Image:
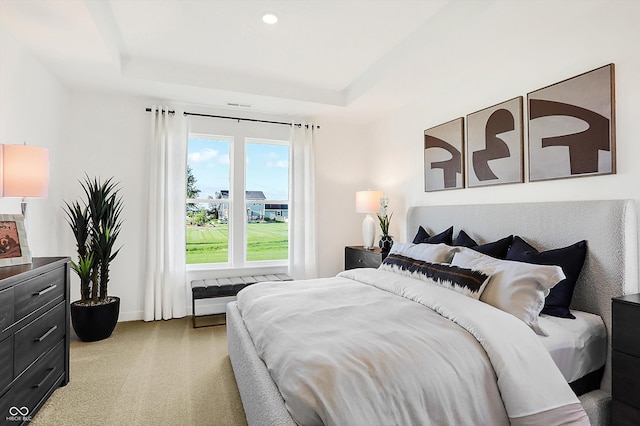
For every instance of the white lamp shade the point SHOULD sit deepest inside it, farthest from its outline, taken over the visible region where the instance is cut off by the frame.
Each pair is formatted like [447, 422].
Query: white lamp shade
[368, 201]
[25, 171]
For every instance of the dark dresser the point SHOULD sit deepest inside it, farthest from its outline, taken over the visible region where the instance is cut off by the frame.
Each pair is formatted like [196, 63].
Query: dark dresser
[34, 335]
[359, 257]
[625, 362]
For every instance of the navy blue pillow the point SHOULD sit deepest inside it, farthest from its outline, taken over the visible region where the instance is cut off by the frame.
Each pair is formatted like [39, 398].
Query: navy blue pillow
[422, 236]
[570, 259]
[497, 249]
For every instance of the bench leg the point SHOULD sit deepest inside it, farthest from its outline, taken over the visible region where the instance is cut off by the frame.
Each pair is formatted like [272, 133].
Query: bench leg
[193, 310]
[193, 316]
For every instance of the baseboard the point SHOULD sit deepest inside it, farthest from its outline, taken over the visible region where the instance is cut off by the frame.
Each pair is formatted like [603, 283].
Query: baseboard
[203, 307]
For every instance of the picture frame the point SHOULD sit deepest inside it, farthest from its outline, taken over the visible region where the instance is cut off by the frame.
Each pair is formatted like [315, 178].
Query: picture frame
[571, 126]
[14, 247]
[444, 156]
[495, 145]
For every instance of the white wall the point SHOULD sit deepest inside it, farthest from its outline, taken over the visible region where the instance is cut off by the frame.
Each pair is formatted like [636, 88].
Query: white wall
[497, 55]
[32, 109]
[107, 135]
[342, 162]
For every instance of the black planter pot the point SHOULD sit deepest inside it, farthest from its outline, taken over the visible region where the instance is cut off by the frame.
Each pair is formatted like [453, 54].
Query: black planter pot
[95, 322]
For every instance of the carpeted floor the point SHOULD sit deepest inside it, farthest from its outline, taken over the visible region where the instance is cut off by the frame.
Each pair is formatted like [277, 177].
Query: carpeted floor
[149, 373]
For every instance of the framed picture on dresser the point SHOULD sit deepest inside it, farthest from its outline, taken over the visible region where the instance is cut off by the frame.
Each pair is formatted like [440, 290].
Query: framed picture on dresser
[14, 248]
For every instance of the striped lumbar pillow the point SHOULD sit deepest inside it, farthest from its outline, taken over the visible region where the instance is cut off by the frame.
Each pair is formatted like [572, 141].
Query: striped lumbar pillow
[466, 281]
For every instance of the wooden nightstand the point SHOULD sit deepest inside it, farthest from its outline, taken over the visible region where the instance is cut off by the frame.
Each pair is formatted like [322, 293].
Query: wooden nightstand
[625, 363]
[359, 257]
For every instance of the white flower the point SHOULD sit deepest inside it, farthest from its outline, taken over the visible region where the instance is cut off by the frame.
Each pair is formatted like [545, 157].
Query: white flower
[384, 205]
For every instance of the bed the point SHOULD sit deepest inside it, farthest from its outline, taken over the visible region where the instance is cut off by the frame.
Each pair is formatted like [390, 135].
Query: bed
[610, 269]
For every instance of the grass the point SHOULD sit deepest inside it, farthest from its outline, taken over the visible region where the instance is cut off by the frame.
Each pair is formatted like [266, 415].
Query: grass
[265, 241]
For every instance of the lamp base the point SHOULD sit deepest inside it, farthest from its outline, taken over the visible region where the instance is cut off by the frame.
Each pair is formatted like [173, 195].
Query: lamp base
[368, 232]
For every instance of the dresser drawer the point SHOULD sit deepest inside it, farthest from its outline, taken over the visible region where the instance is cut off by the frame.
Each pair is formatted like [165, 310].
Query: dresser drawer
[39, 336]
[38, 291]
[623, 414]
[6, 363]
[6, 310]
[29, 390]
[355, 258]
[625, 386]
[5, 403]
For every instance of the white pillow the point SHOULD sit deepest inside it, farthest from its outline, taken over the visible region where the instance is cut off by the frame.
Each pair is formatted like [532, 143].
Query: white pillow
[432, 253]
[515, 287]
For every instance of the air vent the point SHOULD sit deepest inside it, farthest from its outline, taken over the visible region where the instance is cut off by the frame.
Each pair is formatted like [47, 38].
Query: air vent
[234, 104]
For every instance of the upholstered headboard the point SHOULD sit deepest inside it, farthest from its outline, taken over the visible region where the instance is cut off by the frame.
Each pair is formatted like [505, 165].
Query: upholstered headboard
[609, 226]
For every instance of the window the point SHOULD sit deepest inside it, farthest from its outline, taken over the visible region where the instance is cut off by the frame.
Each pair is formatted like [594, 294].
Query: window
[208, 182]
[267, 195]
[237, 207]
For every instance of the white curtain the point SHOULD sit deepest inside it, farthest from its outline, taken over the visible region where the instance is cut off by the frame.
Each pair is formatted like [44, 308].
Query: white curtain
[302, 218]
[165, 269]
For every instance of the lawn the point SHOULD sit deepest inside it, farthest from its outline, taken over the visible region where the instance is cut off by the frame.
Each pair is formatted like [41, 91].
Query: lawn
[265, 241]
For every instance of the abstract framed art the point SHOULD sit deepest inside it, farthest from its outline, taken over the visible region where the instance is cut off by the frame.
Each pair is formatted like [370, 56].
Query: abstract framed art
[444, 156]
[494, 149]
[14, 249]
[572, 127]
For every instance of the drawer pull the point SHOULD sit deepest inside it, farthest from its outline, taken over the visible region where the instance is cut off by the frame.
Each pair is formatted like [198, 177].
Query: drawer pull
[42, 382]
[359, 260]
[45, 335]
[46, 290]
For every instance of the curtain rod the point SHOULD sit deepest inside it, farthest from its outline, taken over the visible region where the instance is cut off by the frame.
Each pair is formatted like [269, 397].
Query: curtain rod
[239, 118]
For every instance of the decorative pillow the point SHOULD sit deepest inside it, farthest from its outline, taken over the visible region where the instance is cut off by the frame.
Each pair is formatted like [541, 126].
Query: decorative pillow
[497, 249]
[514, 287]
[465, 281]
[570, 259]
[422, 236]
[434, 253]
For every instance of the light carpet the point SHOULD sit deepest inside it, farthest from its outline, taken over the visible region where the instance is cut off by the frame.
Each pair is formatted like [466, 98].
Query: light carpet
[149, 373]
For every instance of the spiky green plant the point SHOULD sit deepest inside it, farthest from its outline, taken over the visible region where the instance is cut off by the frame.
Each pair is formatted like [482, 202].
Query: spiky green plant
[80, 223]
[86, 271]
[96, 227]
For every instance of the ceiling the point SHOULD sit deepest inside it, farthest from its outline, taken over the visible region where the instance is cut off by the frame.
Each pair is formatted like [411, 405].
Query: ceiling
[323, 57]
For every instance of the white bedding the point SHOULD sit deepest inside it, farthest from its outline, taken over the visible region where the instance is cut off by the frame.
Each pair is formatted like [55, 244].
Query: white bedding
[447, 359]
[578, 346]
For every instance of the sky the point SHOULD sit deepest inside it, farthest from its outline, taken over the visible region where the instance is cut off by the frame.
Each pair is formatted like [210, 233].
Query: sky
[267, 167]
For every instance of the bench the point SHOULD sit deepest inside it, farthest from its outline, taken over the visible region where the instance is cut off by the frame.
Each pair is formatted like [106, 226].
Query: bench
[225, 287]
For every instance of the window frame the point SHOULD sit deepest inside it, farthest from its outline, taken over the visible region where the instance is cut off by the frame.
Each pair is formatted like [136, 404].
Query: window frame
[237, 239]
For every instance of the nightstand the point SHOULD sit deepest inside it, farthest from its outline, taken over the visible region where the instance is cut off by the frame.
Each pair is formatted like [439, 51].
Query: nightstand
[625, 362]
[359, 257]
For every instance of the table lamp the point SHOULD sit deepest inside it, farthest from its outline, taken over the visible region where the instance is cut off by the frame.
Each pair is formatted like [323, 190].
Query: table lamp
[25, 172]
[368, 202]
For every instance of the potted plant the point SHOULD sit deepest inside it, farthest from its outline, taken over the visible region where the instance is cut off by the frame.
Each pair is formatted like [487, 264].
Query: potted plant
[386, 240]
[95, 224]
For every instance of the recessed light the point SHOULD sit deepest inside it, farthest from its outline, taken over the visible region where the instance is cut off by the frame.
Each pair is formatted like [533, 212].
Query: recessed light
[270, 18]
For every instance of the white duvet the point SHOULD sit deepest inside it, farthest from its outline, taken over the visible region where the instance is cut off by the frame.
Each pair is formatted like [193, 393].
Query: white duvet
[370, 347]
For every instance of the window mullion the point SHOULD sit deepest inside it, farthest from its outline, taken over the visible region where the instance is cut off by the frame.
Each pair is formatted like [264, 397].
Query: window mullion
[237, 237]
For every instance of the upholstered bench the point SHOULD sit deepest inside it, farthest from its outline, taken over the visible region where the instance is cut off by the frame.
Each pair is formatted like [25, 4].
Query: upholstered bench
[225, 287]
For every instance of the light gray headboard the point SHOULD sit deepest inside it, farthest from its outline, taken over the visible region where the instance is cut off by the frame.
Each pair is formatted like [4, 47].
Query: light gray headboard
[609, 226]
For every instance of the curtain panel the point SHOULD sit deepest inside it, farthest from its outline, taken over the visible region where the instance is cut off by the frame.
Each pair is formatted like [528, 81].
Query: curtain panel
[302, 220]
[165, 258]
